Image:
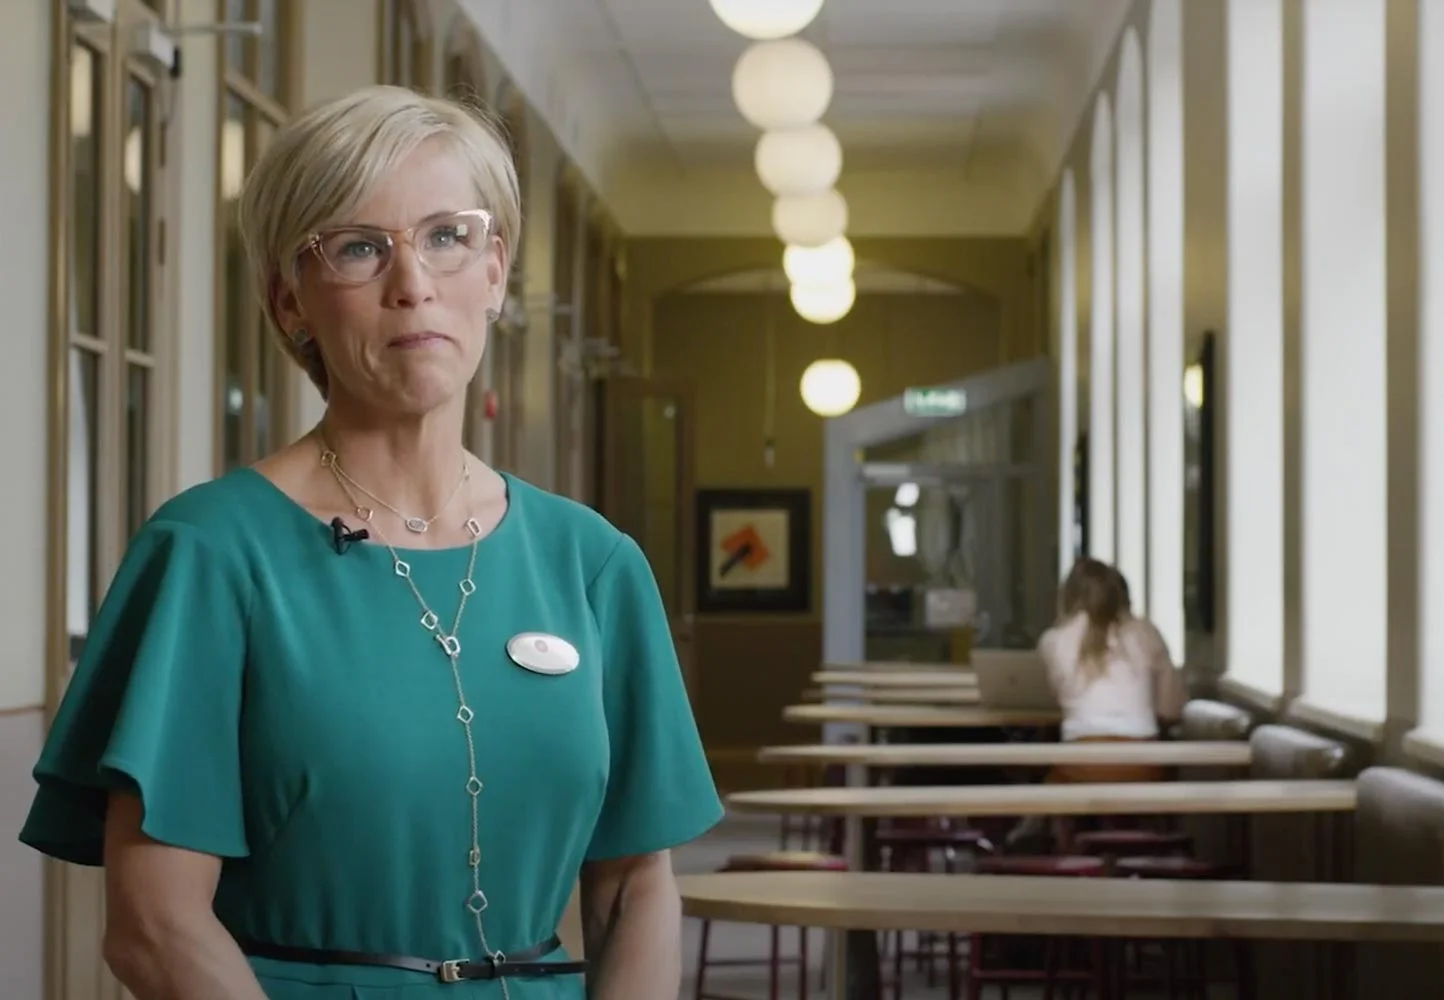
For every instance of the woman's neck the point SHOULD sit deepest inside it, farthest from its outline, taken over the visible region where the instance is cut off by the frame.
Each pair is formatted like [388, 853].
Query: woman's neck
[413, 465]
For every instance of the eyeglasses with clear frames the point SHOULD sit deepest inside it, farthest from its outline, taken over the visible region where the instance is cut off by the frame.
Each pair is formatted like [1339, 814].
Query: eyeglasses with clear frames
[445, 244]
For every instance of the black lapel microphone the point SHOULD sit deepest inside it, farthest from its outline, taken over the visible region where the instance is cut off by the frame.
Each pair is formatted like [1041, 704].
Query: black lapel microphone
[342, 536]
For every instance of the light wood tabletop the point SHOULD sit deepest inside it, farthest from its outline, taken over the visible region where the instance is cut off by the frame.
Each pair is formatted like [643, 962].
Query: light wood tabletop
[942, 697]
[1125, 799]
[1144, 908]
[900, 679]
[918, 716]
[1165, 753]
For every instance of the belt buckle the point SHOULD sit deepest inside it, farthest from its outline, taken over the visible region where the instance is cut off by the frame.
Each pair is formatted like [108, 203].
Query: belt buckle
[450, 971]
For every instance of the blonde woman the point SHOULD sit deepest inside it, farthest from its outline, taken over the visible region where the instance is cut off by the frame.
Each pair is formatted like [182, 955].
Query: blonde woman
[1111, 671]
[317, 765]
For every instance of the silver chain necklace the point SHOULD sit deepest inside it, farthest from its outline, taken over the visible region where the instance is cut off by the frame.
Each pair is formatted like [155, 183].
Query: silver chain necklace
[450, 644]
[414, 524]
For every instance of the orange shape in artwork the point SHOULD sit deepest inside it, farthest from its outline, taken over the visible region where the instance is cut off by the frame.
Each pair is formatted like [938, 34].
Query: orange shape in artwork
[744, 547]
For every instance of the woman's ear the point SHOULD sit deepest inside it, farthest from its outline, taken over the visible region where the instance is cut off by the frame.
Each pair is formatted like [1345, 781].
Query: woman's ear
[285, 306]
[498, 269]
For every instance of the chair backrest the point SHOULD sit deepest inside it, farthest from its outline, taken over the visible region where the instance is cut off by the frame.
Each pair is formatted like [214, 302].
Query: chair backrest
[1214, 720]
[1399, 840]
[1286, 753]
[1298, 847]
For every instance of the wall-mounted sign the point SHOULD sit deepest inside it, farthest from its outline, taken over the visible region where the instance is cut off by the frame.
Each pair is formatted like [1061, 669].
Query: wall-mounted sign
[941, 402]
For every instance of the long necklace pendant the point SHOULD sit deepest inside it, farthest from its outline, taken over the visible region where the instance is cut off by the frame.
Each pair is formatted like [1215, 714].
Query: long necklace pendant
[417, 525]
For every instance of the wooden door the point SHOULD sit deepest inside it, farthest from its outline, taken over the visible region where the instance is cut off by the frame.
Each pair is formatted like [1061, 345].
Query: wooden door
[111, 369]
[646, 487]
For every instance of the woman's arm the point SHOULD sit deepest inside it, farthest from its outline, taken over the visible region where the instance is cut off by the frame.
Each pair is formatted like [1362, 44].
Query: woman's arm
[1169, 691]
[162, 938]
[632, 926]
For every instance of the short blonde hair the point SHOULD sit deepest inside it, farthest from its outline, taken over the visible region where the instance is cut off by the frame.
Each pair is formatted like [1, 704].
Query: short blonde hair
[325, 163]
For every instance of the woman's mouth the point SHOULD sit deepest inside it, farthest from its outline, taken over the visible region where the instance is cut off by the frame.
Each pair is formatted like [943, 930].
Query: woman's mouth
[413, 341]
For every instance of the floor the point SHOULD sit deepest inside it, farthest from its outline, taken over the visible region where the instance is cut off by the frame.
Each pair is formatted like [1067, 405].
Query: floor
[741, 835]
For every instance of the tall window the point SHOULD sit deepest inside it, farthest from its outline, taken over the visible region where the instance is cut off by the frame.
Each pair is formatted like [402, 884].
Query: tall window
[254, 376]
[462, 79]
[1165, 323]
[1101, 520]
[1345, 394]
[568, 263]
[114, 286]
[1130, 413]
[114, 364]
[508, 347]
[1254, 382]
[1431, 371]
[1068, 533]
[405, 51]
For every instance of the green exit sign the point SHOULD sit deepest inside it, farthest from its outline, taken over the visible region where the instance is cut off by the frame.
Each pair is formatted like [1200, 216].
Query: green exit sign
[935, 402]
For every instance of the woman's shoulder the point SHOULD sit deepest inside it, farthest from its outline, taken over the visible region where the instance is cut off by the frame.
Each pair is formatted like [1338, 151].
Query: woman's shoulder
[568, 527]
[218, 510]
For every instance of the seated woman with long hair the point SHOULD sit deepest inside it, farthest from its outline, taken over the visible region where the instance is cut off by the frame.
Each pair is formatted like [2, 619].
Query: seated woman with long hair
[1114, 677]
[1111, 670]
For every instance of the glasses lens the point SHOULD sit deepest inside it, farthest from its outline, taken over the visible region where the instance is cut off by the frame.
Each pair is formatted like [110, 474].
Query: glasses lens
[356, 255]
[449, 244]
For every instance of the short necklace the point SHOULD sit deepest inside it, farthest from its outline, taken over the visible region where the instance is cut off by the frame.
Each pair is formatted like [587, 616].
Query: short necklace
[450, 644]
[414, 524]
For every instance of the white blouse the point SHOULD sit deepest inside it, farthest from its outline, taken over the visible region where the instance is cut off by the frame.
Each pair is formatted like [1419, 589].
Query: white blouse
[1127, 697]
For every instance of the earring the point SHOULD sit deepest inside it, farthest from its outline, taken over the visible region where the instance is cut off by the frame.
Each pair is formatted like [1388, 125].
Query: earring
[300, 337]
[492, 315]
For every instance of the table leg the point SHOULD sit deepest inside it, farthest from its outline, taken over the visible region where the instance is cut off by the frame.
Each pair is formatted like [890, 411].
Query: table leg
[852, 955]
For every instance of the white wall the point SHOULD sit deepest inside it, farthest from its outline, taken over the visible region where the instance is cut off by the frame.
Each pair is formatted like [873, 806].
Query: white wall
[196, 256]
[24, 206]
[25, 34]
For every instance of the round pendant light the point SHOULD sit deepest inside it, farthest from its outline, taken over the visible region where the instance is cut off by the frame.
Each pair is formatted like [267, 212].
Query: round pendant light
[764, 19]
[798, 161]
[810, 220]
[824, 303]
[831, 262]
[784, 84]
[830, 387]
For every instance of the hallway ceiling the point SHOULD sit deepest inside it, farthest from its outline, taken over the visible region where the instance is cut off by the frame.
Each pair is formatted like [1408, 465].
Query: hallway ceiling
[952, 113]
[918, 82]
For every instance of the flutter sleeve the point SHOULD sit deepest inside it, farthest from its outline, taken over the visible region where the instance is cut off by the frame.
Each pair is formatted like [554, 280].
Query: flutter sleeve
[154, 706]
[660, 791]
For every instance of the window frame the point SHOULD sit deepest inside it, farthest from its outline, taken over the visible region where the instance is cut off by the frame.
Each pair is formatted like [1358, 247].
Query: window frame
[391, 14]
[259, 357]
[109, 341]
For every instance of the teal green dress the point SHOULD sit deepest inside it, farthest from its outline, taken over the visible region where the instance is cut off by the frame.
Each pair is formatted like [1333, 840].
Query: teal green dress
[278, 705]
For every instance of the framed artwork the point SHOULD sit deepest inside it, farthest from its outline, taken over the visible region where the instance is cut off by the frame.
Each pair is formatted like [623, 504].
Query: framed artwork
[754, 550]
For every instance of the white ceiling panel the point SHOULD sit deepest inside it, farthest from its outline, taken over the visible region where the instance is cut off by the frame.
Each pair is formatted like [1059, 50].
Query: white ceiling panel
[913, 78]
[983, 89]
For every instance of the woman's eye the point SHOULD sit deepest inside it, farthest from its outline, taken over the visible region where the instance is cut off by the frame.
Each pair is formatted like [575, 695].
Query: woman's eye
[446, 236]
[360, 249]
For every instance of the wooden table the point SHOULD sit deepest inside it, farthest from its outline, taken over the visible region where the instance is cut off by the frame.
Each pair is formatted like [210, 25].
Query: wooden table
[1145, 908]
[883, 666]
[942, 697]
[900, 679]
[1123, 799]
[919, 716]
[854, 804]
[1182, 753]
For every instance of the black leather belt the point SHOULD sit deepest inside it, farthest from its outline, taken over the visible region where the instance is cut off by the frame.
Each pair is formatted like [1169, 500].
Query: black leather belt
[523, 963]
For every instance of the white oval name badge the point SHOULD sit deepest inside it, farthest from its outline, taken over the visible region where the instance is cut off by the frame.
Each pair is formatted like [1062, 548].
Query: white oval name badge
[542, 653]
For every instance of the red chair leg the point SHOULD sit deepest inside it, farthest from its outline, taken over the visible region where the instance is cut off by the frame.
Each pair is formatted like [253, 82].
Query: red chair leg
[702, 959]
[802, 963]
[774, 967]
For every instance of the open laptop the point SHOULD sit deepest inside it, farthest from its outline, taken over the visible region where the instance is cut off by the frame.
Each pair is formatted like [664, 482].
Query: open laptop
[1013, 680]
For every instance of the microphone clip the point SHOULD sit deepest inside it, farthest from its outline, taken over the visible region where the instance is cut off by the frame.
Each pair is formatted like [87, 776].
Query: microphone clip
[342, 537]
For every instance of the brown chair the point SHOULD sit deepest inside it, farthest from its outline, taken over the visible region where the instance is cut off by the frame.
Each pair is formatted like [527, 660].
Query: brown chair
[768, 861]
[1399, 840]
[1092, 973]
